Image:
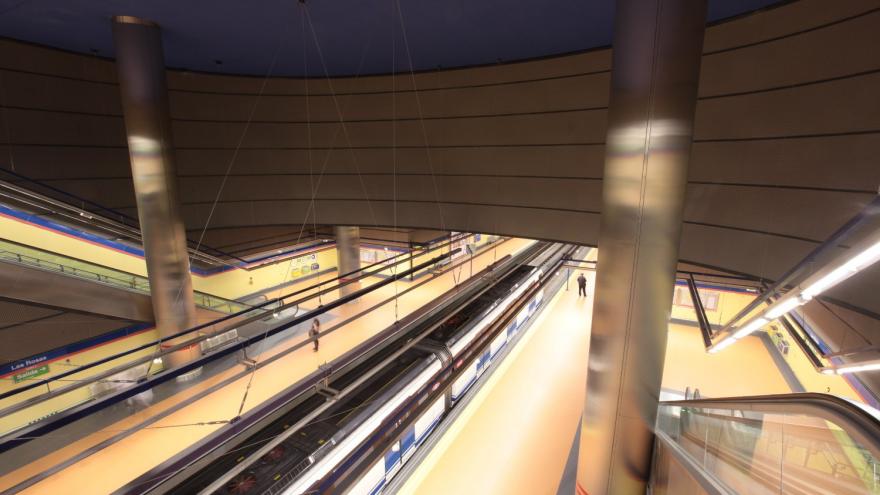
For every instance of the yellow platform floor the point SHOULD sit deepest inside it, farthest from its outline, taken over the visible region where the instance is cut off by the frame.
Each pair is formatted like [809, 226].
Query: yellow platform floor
[116, 465]
[514, 437]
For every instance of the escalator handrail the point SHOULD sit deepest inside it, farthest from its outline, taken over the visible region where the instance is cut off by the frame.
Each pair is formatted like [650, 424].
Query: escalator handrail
[23, 435]
[857, 420]
[344, 279]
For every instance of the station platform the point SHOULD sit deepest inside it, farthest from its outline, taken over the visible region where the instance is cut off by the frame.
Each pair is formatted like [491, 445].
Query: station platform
[164, 429]
[518, 434]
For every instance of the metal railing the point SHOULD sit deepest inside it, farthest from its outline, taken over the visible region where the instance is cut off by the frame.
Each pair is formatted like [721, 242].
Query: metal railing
[61, 203]
[45, 260]
[252, 313]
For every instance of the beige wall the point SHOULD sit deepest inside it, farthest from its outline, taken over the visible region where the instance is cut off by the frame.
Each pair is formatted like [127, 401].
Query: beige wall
[788, 125]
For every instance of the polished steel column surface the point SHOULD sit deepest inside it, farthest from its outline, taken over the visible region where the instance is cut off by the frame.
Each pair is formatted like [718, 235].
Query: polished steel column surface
[141, 70]
[348, 255]
[655, 69]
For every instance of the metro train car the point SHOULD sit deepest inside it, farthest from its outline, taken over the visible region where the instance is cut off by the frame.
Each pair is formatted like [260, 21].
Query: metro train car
[382, 471]
[446, 349]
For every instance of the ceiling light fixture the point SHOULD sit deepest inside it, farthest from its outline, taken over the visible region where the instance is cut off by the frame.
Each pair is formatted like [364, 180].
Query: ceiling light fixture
[782, 307]
[863, 259]
[720, 346]
[855, 368]
[856, 264]
[750, 327]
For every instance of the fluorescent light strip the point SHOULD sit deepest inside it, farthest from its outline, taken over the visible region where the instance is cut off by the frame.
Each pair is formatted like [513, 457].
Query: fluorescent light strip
[724, 344]
[828, 281]
[857, 263]
[742, 332]
[856, 368]
[866, 258]
[750, 327]
[780, 308]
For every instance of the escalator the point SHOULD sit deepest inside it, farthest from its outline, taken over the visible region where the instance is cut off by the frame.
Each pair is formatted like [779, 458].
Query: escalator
[44, 277]
[794, 444]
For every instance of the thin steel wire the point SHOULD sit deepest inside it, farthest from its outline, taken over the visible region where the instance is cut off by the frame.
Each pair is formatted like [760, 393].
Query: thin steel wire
[312, 208]
[424, 129]
[342, 122]
[241, 138]
[6, 127]
[394, 148]
[309, 141]
[229, 167]
[313, 198]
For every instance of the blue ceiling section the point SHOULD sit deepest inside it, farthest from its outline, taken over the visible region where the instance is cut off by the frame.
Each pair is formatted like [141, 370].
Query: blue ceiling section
[336, 37]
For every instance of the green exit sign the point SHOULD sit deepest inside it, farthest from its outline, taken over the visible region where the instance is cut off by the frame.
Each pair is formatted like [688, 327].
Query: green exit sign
[27, 375]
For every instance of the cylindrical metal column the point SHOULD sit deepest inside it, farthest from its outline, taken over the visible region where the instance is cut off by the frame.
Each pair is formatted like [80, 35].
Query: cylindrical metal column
[348, 256]
[141, 70]
[655, 69]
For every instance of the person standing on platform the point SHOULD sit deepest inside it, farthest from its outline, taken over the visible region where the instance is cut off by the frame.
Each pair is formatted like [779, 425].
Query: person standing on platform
[582, 285]
[315, 331]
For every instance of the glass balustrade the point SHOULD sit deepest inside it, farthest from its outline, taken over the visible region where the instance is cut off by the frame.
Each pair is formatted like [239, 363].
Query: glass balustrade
[758, 452]
[26, 255]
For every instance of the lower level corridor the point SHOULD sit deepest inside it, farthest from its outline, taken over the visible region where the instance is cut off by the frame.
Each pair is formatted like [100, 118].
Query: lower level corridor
[164, 429]
[515, 436]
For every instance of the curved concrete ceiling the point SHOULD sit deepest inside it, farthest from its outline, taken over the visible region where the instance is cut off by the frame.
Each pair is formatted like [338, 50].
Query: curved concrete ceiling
[787, 128]
[345, 36]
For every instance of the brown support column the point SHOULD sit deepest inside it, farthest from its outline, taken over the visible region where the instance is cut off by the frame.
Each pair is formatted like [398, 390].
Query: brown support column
[348, 255]
[140, 67]
[655, 69]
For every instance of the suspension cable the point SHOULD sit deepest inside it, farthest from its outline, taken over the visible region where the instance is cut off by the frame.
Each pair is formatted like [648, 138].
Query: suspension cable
[421, 114]
[341, 117]
[394, 145]
[312, 207]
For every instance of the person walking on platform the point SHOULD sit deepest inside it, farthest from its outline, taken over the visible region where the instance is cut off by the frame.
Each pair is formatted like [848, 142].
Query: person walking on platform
[582, 285]
[315, 331]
